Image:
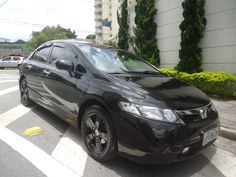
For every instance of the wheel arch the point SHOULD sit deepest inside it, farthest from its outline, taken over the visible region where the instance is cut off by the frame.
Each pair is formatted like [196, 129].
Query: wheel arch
[90, 102]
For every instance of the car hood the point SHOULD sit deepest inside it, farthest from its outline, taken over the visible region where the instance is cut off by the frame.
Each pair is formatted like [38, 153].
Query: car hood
[170, 92]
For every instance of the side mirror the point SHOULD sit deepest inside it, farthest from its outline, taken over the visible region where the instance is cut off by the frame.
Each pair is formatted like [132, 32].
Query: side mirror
[65, 65]
[80, 68]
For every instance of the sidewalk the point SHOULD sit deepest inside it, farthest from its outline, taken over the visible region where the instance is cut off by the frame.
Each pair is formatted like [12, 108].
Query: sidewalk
[227, 114]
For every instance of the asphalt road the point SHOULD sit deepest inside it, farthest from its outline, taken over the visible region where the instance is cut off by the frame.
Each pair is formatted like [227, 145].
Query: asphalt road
[58, 150]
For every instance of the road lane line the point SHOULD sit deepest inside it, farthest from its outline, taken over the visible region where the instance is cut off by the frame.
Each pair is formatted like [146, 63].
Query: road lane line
[5, 81]
[13, 114]
[9, 90]
[69, 151]
[40, 159]
[8, 77]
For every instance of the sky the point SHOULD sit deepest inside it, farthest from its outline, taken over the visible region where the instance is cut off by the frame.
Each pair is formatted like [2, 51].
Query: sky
[75, 14]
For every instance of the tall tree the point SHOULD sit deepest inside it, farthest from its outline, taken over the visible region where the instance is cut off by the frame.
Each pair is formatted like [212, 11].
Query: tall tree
[192, 30]
[123, 34]
[69, 33]
[91, 36]
[47, 34]
[145, 42]
[19, 41]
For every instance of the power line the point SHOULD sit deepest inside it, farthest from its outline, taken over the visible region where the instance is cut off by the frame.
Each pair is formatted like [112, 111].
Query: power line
[3, 3]
[23, 23]
[35, 24]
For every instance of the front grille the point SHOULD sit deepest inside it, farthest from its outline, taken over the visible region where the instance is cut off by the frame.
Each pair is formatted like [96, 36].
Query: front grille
[196, 114]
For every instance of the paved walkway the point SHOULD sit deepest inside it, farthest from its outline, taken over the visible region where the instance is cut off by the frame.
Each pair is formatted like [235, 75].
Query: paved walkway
[227, 113]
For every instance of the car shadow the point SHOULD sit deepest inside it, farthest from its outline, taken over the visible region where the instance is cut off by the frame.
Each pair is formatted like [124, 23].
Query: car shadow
[50, 118]
[198, 166]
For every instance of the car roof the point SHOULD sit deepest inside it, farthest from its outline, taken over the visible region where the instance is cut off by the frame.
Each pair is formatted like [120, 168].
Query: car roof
[77, 42]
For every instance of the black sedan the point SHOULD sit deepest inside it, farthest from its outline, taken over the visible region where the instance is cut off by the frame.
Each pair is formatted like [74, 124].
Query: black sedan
[122, 104]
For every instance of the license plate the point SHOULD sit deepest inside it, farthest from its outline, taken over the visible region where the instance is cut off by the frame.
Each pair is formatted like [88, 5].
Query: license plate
[209, 136]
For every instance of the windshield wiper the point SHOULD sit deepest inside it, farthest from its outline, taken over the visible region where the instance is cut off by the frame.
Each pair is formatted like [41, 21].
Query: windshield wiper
[151, 72]
[137, 72]
[141, 72]
[116, 73]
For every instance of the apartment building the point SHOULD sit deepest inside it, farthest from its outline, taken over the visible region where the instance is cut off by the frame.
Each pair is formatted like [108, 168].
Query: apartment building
[219, 41]
[106, 24]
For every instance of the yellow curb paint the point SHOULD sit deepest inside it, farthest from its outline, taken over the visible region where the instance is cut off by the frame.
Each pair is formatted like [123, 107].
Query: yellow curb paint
[33, 131]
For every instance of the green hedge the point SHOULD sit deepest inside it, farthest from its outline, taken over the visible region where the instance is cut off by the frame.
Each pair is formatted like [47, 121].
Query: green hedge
[219, 83]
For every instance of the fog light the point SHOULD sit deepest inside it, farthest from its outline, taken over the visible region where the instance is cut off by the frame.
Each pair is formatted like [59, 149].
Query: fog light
[186, 149]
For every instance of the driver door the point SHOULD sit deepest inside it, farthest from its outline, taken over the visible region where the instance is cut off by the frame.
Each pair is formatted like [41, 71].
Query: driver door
[60, 85]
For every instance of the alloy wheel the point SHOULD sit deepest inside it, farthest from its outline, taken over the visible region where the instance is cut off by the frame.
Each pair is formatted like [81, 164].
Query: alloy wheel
[24, 94]
[96, 134]
[24, 91]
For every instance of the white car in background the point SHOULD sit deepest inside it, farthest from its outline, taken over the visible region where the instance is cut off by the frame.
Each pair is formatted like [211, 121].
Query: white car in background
[11, 62]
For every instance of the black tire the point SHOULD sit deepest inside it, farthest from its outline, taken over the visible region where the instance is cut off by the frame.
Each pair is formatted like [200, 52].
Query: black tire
[98, 133]
[24, 93]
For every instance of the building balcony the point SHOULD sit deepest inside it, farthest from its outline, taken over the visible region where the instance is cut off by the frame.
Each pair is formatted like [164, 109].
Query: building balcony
[98, 17]
[98, 10]
[98, 2]
[99, 28]
[98, 25]
[98, 31]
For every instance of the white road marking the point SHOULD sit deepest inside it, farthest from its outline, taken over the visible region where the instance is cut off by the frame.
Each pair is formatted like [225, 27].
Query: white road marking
[69, 151]
[13, 114]
[40, 159]
[11, 89]
[4, 81]
[226, 166]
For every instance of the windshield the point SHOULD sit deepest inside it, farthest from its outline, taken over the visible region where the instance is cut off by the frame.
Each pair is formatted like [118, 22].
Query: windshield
[113, 61]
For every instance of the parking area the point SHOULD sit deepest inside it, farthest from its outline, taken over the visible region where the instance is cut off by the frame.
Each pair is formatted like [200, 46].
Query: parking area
[57, 150]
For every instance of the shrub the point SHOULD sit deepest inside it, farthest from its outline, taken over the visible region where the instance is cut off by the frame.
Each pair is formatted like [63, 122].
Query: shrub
[219, 83]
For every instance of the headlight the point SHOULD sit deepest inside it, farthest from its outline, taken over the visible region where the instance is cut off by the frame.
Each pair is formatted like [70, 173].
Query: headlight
[150, 112]
[213, 106]
[129, 107]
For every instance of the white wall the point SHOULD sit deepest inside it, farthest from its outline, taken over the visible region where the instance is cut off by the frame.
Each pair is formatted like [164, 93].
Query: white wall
[218, 44]
[168, 19]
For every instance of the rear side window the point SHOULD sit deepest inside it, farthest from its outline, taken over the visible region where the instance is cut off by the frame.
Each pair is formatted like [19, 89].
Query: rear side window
[42, 55]
[61, 53]
[16, 58]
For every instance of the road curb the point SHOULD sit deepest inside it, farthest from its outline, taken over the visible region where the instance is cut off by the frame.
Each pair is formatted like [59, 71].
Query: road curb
[228, 133]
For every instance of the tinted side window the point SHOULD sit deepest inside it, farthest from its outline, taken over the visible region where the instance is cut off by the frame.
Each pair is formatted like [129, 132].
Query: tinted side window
[7, 59]
[61, 53]
[42, 55]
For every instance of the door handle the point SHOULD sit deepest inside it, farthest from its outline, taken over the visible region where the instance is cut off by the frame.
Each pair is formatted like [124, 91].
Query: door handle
[28, 67]
[46, 72]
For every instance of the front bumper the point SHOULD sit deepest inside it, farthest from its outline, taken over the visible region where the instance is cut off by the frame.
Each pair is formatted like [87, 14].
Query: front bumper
[154, 142]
